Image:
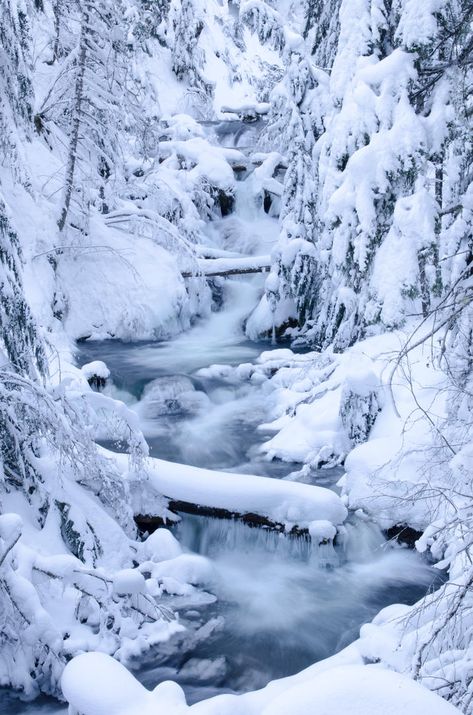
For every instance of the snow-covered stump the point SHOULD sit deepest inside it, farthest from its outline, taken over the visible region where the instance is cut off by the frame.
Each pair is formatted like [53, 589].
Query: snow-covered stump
[360, 403]
[96, 374]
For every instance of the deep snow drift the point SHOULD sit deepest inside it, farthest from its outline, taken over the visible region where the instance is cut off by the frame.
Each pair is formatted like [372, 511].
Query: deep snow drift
[339, 685]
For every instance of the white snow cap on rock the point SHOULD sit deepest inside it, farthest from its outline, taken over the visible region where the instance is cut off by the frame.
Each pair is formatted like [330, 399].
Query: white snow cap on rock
[97, 368]
[161, 545]
[128, 581]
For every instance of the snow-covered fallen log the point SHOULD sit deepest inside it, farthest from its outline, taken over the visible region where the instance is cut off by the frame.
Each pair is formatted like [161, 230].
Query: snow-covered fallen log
[284, 505]
[248, 111]
[231, 266]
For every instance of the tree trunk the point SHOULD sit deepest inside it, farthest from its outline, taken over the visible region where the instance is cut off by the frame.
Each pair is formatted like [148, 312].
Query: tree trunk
[78, 99]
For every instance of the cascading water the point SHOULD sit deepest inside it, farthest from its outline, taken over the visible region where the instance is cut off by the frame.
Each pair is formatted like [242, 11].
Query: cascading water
[284, 602]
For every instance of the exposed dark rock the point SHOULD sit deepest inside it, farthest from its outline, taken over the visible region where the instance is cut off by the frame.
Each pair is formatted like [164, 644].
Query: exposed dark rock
[149, 523]
[403, 534]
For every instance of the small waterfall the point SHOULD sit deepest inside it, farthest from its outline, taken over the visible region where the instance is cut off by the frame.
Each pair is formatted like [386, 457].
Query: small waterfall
[361, 541]
[357, 541]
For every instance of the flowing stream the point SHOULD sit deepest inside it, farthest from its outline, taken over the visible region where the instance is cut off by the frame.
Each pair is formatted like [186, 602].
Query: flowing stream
[276, 603]
[282, 603]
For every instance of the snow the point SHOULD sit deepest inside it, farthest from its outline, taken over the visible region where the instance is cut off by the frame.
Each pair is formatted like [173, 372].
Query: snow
[183, 569]
[218, 266]
[97, 368]
[11, 526]
[98, 685]
[360, 690]
[128, 581]
[247, 109]
[322, 530]
[95, 684]
[161, 545]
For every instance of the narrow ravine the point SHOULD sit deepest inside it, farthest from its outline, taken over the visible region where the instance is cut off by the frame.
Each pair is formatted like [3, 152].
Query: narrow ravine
[274, 604]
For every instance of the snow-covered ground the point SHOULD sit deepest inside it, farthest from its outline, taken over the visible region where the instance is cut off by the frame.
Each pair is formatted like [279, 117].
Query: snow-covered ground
[334, 687]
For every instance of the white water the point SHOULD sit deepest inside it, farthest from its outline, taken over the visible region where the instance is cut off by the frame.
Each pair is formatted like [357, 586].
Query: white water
[283, 602]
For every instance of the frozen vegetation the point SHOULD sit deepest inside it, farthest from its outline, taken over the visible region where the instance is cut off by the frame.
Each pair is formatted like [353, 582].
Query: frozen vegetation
[236, 348]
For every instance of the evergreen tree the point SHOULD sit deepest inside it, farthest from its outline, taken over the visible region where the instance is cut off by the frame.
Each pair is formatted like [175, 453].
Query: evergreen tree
[186, 23]
[16, 107]
[84, 102]
[296, 121]
[265, 21]
[377, 171]
[322, 29]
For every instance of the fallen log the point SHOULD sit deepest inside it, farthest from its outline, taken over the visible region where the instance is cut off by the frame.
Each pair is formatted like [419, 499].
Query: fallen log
[230, 266]
[228, 272]
[149, 523]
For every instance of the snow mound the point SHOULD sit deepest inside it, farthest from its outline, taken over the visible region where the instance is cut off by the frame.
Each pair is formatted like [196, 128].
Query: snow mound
[95, 684]
[97, 368]
[359, 690]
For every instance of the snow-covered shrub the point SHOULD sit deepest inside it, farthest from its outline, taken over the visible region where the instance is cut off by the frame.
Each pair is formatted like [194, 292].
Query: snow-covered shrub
[54, 607]
[186, 22]
[265, 21]
[360, 404]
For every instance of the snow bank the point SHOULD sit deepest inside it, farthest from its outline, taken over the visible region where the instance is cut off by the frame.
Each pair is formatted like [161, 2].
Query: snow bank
[95, 684]
[333, 408]
[320, 404]
[359, 690]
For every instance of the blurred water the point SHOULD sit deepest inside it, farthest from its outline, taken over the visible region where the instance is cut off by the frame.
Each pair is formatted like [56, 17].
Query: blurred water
[12, 705]
[187, 418]
[283, 602]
